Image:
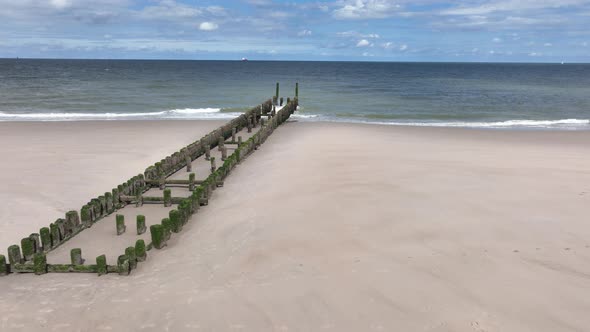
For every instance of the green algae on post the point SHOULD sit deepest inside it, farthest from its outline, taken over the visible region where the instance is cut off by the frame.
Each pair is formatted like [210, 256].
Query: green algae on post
[120, 224]
[140, 250]
[167, 197]
[40, 263]
[175, 221]
[158, 236]
[130, 253]
[76, 256]
[28, 248]
[101, 265]
[140, 224]
[3, 266]
[123, 265]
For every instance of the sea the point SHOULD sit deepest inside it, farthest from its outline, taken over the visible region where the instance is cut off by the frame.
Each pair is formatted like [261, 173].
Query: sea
[480, 95]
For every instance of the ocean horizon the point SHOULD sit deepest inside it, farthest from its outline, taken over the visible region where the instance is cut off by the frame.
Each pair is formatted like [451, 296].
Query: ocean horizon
[444, 94]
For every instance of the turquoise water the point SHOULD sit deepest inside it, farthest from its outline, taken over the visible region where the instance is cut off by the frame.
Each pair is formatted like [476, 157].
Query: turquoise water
[551, 96]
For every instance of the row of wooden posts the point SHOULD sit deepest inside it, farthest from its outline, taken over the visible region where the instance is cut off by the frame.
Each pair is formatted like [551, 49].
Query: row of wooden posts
[32, 258]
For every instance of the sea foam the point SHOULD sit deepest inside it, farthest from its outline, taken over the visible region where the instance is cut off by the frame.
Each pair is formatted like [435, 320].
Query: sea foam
[185, 113]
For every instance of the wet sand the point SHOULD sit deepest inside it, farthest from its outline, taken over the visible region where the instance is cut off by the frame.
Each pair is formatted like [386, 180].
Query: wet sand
[338, 227]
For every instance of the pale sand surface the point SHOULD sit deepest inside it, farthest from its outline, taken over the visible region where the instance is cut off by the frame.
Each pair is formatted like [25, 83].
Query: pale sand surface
[349, 228]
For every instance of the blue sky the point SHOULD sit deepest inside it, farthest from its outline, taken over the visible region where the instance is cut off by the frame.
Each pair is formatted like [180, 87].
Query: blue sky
[349, 30]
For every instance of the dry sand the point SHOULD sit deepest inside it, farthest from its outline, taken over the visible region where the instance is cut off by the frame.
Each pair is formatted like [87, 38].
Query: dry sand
[334, 227]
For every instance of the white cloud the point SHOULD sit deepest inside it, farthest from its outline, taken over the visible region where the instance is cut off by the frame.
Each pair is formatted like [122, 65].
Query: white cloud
[497, 40]
[366, 9]
[403, 47]
[304, 33]
[387, 45]
[355, 34]
[511, 5]
[547, 44]
[208, 26]
[363, 43]
[60, 4]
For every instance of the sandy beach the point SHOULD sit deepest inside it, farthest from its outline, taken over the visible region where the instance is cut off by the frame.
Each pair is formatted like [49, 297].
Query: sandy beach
[385, 228]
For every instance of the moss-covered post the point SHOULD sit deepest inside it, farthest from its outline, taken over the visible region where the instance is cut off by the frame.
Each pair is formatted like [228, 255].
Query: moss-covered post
[45, 238]
[130, 253]
[3, 266]
[191, 181]
[36, 242]
[76, 256]
[249, 124]
[281, 102]
[110, 205]
[101, 265]
[239, 140]
[167, 198]
[141, 228]
[167, 224]
[207, 151]
[28, 248]
[14, 255]
[297, 90]
[162, 182]
[140, 250]
[158, 236]
[233, 134]
[85, 216]
[262, 122]
[40, 263]
[189, 163]
[123, 265]
[288, 100]
[220, 143]
[55, 235]
[116, 202]
[72, 221]
[138, 199]
[213, 166]
[120, 223]
[223, 153]
[176, 223]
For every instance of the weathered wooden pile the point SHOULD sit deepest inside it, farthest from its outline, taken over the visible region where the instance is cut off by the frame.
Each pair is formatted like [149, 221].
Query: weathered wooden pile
[31, 255]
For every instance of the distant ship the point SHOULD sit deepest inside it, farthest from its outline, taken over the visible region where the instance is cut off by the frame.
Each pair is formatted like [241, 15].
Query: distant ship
[244, 59]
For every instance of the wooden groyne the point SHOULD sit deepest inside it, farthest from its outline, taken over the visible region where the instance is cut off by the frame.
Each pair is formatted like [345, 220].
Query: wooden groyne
[257, 124]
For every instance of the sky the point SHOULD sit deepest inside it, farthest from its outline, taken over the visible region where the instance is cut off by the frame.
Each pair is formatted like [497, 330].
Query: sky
[340, 30]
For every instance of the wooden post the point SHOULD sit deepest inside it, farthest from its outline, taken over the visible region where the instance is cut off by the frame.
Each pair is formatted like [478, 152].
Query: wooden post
[76, 256]
[138, 199]
[277, 93]
[249, 124]
[101, 265]
[123, 265]
[28, 248]
[3, 266]
[191, 181]
[239, 140]
[207, 152]
[281, 103]
[40, 263]
[130, 253]
[158, 236]
[36, 242]
[167, 198]
[55, 235]
[110, 205]
[120, 223]
[189, 164]
[85, 216]
[297, 90]
[14, 255]
[213, 167]
[223, 153]
[140, 224]
[167, 224]
[220, 143]
[233, 134]
[45, 238]
[140, 251]
[175, 221]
